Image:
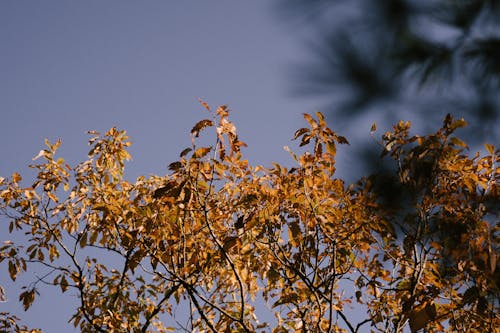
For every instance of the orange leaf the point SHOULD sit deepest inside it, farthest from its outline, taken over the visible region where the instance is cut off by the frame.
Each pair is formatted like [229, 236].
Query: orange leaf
[201, 152]
[490, 148]
[205, 105]
[16, 177]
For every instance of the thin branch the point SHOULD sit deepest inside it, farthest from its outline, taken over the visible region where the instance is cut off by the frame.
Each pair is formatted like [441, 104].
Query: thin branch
[158, 307]
[198, 307]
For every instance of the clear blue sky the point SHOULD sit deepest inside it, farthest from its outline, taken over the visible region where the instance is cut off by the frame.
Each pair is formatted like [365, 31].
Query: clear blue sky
[71, 66]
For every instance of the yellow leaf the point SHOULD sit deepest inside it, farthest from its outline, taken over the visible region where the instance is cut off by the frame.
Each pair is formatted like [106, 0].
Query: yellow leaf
[29, 193]
[458, 142]
[52, 196]
[309, 119]
[201, 152]
[16, 178]
[490, 148]
[458, 124]
[321, 118]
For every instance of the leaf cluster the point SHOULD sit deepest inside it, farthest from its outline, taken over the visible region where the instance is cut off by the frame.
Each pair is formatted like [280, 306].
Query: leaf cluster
[221, 238]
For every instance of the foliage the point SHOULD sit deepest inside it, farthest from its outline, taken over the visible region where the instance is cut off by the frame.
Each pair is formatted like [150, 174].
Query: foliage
[386, 59]
[222, 238]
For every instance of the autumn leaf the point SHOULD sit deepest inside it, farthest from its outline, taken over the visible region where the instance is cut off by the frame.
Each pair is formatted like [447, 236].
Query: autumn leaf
[230, 242]
[204, 104]
[218, 235]
[489, 148]
[300, 132]
[169, 189]
[27, 298]
[16, 178]
[175, 166]
[202, 124]
[185, 152]
[201, 152]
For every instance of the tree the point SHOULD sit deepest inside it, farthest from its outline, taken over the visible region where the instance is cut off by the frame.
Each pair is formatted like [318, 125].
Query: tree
[390, 59]
[223, 237]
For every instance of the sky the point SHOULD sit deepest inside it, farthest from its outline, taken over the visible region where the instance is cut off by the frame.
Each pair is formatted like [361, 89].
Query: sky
[69, 67]
[72, 66]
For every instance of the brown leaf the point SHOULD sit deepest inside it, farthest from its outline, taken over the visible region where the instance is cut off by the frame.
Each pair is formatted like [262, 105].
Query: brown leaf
[185, 152]
[64, 284]
[202, 124]
[205, 104]
[27, 298]
[12, 270]
[342, 140]
[201, 152]
[175, 166]
[240, 222]
[300, 132]
[421, 317]
[230, 242]
[168, 190]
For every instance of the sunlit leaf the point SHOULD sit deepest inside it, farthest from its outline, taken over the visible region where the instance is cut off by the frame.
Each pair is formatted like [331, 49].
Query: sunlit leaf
[489, 148]
[16, 178]
[201, 152]
[416, 246]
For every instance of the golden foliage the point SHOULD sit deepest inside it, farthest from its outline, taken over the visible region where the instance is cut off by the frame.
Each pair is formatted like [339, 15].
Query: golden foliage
[225, 237]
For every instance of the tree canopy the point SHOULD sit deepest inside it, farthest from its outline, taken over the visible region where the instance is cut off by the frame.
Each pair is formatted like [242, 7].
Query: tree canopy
[222, 238]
